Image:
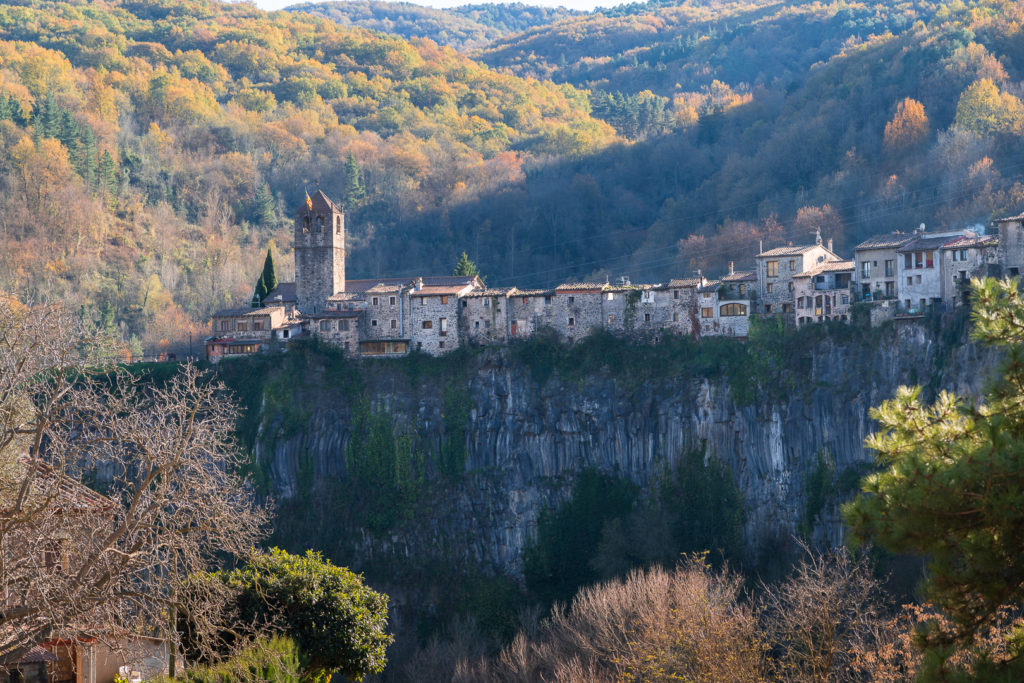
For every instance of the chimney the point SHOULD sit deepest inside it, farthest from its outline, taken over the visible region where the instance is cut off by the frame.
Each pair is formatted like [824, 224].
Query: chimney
[731, 270]
[830, 244]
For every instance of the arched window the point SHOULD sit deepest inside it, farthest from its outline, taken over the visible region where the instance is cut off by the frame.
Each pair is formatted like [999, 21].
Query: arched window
[319, 223]
[732, 309]
[337, 224]
[305, 224]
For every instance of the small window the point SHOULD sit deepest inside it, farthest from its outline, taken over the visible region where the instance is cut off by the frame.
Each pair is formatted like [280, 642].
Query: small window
[547, 299]
[284, 334]
[376, 301]
[772, 268]
[305, 224]
[963, 254]
[225, 326]
[910, 279]
[844, 299]
[428, 324]
[647, 317]
[675, 293]
[525, 300]
[572, 322]
[440, 345]
[325, 325]
[419, 346]
[611, 296]
[466, 303]
[929, 259]
[487, 324]
[373, 323]
[487, 303]
[444, 326]
[675, 317]
[444, 300]
[792, 265]
[572, 299]
[787, 308]
[767, 308]
[611, 318]
[392, 301]
[918, 279]
[319, 223]
[707, 313]
[865, 269]
[241, 326]
[770, 287]
[791, 286]
[743, 290]
[337, 224]
[394, 324]
[908, 261]
[343, 326]
[257, 326]
[476, 325]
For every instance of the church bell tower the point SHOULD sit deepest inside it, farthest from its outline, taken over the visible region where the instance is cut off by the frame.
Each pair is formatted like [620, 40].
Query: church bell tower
[319, 252]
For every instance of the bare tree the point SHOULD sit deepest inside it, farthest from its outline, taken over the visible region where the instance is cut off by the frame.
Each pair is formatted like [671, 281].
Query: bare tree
[118, 566]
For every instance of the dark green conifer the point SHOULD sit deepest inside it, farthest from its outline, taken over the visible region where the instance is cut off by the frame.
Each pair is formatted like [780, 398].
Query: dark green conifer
[269, 276]
[464, 266]
[354, 190]
[107, 177]
[260, 293]
[263, 206]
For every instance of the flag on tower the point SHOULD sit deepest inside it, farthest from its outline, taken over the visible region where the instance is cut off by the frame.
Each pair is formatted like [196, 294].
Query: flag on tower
[309, 202]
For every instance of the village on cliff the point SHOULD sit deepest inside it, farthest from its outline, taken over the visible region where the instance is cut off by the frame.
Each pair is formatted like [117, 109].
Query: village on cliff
[898, 275]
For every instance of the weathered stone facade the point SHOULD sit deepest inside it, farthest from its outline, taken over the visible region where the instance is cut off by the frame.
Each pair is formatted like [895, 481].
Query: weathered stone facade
[823, 293]
[1011, 244]
[319, 252]
[776, 269]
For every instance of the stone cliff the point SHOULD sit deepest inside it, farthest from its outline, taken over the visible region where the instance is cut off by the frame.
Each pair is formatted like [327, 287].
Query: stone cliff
[520, 436]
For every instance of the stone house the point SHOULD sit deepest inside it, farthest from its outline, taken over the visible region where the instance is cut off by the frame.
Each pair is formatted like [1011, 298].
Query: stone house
[776, 269]
[721, 317]
[530, 311]
[964, 258]
[245, 331]
[876, 266]
[484, 315]
[1010, 254]
[824, 292]
[919, 271]
[434, 315]
[340, 327]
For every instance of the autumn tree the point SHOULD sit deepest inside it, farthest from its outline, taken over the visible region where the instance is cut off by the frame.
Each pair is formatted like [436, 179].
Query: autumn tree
[174, 505]
[950, 488]
[983, 109]
[908, 127]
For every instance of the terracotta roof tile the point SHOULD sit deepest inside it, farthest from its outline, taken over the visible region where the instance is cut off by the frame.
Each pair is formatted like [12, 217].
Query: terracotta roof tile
[891, 240]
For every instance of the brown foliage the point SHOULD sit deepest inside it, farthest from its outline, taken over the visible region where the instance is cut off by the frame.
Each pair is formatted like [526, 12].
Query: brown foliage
[908, 127]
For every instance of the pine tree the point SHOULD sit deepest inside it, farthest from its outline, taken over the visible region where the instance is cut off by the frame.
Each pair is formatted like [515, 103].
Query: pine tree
[951, 485]
[465, 266]
[85, 158]
[354, 190]
[269, 277]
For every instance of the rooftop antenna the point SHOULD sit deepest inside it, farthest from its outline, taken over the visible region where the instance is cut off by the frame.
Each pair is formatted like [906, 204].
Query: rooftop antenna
[920, 228]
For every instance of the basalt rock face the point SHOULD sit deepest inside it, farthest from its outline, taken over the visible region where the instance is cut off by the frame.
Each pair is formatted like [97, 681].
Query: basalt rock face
[525, 441]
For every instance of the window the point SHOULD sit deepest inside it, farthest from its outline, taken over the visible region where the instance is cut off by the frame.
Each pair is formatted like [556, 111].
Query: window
[919, 259]
[611, 318]
[865, 269]
[572, 322]
[955, 253]
[707, 313]
[257, 326]
[675, 317]
[918, 279]
[572, 299]
[770, 287]
[963, 254]
[743, 289]
[907, 304]
[419, 346]
[791, 286]
[225, 325]
[732, 309]
[466, 303]
[910, 280]
[284, 334]
[373, 323]
[844, 299]
[325, 325]
[787, 308]
[343, 326]
[792, 265]
[772, 268]
[376, 301]
[394, 324]
[908, 261]
[525, 300]
[675, 293]
[487, 303]
[305, 225]
[476, 325]
[319, 223]
[392, 301]
[241, 326]
[487, 324]
[647, 317]
[428, 324]
[547, 299]
[444, 300]
[611, 296]
[444, 326]
[922, 304]
[337, 224]
[929, 259]
[440, 345]
[767, 308]
[890, 267]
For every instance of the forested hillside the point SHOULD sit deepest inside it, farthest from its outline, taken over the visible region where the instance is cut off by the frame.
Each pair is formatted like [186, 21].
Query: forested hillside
[152, 149]
[463, 28]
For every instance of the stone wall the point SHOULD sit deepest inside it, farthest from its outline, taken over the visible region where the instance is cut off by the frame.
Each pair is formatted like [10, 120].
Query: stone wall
[441, 313]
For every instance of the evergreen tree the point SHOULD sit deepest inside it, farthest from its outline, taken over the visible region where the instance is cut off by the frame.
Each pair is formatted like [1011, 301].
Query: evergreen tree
[260, 293]
[465, 266]
[269, 276]
[107, 177]
[6, 114]
[951, 486]
[263, 206]
[354, 190]
[85, 158]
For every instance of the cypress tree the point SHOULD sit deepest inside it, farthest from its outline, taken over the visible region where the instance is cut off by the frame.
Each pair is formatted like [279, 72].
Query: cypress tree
[107, 177]
[269, 277]
[260, 293]
[85, 158]
[263, 206]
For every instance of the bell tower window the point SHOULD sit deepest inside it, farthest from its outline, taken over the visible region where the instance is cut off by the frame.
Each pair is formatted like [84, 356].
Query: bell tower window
[337, 224]
[305, 224]
[319, 223]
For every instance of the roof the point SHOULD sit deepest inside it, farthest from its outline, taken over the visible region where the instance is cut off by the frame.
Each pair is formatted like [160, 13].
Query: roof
[345, 296]
[1012, 219]
[685, 282]
[581, 287]
[70, 495]
[827, 267]
[244, 311]
[283, 293]
[710, 286]
[321, 203]
[790, 250]
[493, 291]
[891, 240]
[925, 242]
[37, 655]
[740, 276]
[385, 287]
[435, 290]
[334, 314]
[535, 292]
[429, 280]
[972, 241]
